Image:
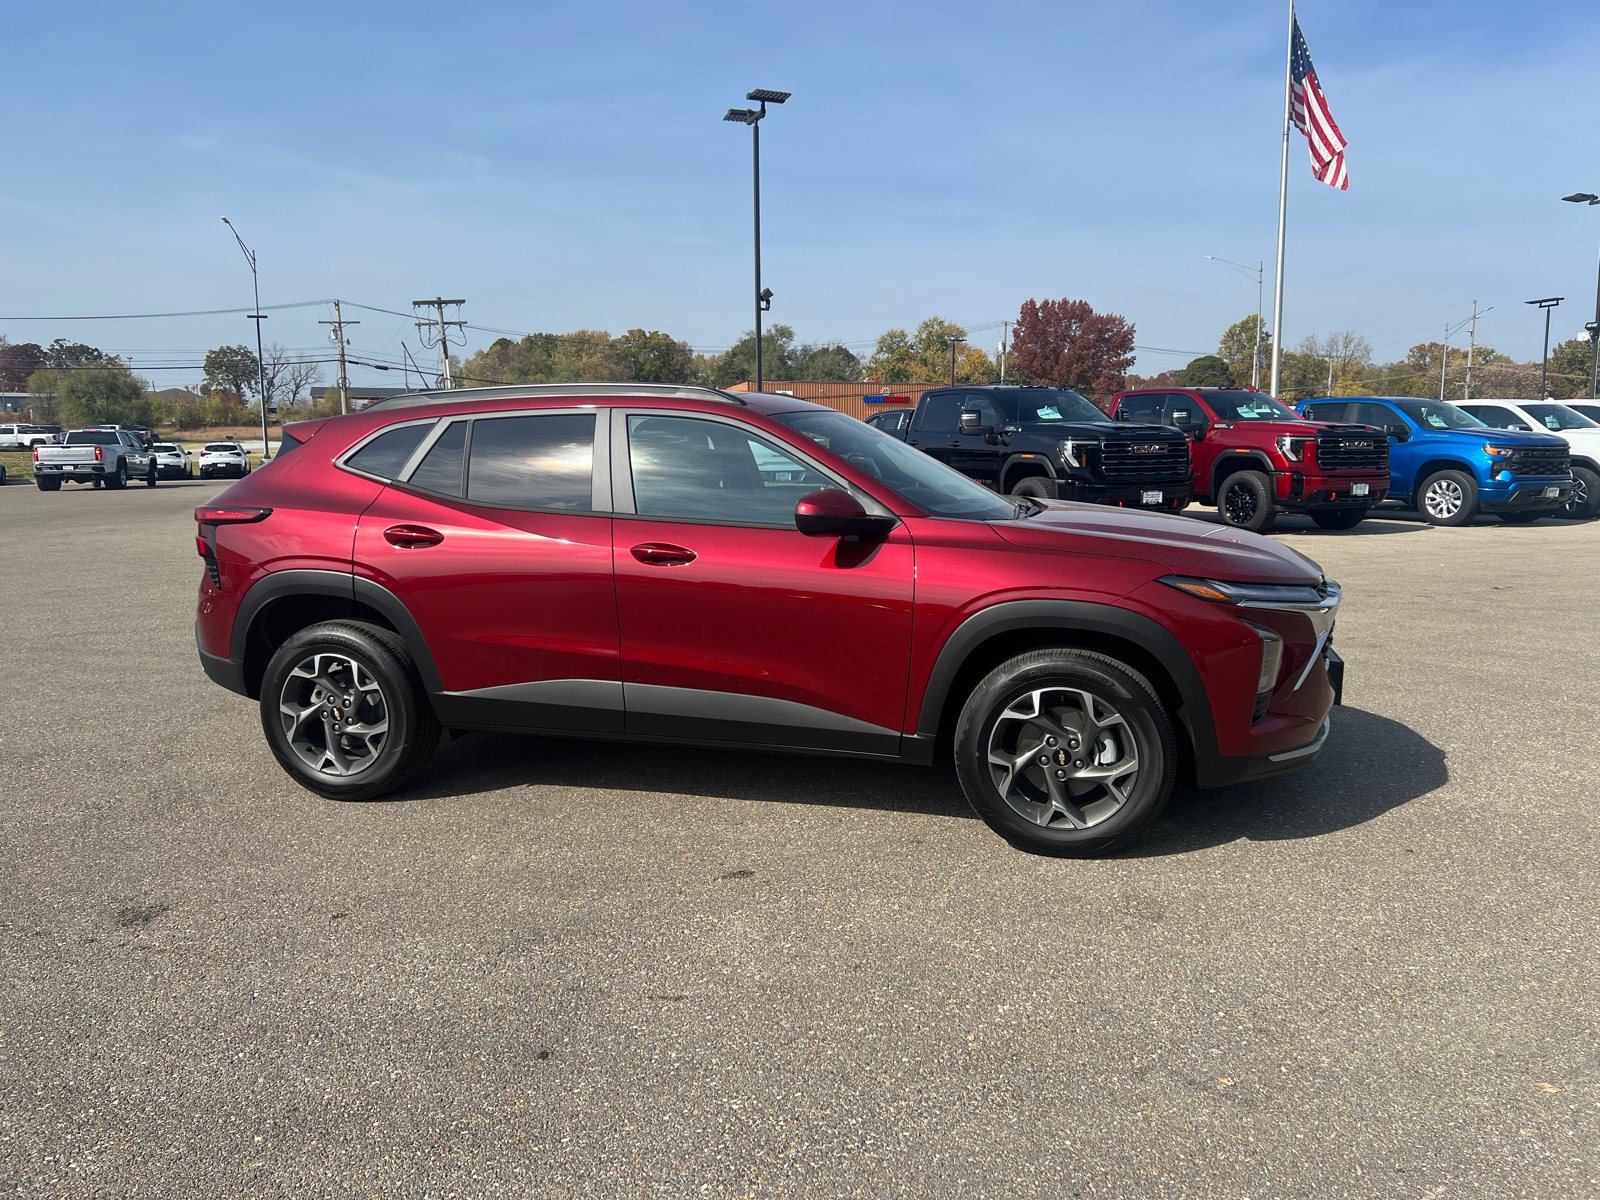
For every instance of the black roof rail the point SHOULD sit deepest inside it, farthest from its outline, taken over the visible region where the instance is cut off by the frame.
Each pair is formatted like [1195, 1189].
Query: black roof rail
[674, 391]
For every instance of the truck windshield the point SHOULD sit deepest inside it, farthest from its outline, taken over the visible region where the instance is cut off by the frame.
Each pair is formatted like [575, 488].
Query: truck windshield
[1249, 406]
[1037, 406]
[1430, 414]
[93, 437]
[933, 487]
[1558, 417]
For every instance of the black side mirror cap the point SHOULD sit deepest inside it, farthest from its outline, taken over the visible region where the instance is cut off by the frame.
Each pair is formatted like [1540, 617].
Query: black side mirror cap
[972, 422]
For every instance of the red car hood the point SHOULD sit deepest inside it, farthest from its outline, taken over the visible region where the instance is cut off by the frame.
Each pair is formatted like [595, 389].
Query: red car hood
[1181, 545]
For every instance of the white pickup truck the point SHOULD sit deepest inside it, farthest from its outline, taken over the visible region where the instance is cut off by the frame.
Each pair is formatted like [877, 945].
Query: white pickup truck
[108, 457]
[26, 437]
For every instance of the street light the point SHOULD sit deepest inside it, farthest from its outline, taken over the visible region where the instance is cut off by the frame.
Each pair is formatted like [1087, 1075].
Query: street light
[752, 117]
[257, 317]
[1260, 274]
[1547, 304]
[1591, 199]
[954, 342]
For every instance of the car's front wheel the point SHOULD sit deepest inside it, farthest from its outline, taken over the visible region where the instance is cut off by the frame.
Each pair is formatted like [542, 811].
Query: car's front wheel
[1449, 498]
[1065, 752]
[1040, 487]
[345, 712]
[1246, 501]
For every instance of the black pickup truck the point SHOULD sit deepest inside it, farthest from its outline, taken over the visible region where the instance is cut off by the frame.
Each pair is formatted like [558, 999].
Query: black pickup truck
[1048, 442]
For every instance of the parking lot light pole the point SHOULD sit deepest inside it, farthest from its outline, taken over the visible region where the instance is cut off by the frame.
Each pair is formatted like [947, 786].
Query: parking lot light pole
[1260, 274]
[257, 317]
[752, 117]
[1547, 304]
[954, 342]
[1591, 199]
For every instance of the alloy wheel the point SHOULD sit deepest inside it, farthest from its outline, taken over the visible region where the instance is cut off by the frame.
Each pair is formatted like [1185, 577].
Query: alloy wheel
[1063, 757]
[1443, 499]
[1239, 504]
[334, 713]
[1578, 504]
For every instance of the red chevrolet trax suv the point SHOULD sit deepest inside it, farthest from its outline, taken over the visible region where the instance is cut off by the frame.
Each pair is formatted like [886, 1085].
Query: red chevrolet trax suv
[681, 564]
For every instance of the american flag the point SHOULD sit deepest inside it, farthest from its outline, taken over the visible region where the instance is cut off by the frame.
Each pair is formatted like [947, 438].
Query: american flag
[1312, 118]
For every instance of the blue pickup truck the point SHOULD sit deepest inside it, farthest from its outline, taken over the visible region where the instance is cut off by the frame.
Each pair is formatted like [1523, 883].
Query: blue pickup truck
[1451, 466]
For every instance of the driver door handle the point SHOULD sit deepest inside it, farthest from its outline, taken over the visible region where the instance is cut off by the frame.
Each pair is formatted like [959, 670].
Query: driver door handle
[663, 554]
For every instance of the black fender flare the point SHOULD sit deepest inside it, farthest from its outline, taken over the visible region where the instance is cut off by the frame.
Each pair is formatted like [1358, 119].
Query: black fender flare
[1006, 467]
[1222, 465]
[1080, 616]
[281, 584]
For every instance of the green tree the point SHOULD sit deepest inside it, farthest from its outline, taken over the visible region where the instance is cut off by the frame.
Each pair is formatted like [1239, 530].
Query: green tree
[652, 357]
[830, 363]
[924, 356]
[110, 395]
[738, 364]
[1207, 371]
[1238, 345]
[62, 355]
[1570, 364]
[18, 361]
[232, 369]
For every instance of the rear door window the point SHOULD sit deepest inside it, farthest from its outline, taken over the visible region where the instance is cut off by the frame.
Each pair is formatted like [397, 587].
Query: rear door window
[940, 412]
[544, 462]
[441, 470]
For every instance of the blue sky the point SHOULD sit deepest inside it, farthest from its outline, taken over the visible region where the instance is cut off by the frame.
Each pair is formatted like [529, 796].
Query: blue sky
[564, 166]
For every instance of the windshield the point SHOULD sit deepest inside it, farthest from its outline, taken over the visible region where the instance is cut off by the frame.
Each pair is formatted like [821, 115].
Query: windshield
[933, 487]
[1430, 414]
[1558, 417]
[1249, 406]
[1041, 405]
[93, 437]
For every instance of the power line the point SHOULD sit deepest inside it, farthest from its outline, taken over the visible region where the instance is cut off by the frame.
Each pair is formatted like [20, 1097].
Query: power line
[204, 312]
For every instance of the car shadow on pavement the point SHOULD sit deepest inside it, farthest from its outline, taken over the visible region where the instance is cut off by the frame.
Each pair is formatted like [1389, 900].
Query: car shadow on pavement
[1369, 766]
[1377, 522]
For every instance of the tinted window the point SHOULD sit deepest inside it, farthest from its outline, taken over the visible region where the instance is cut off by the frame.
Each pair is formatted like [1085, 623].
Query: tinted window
[1337, 413]
[1141, 410]
[708, 471]
[1377, 415]
[984, 407]
[1036, 405]
[533, 462]
[221, 448]
[1557, 417]
[440, 471]
[1430, 414]
[164, 448]
[93, 437]
[1248, 406]
[1496, 416]
[940, 412]
[385, 454]
[1592, 411]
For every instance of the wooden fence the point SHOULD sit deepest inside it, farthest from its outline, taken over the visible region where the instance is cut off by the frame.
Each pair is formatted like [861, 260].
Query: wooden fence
[847, 397]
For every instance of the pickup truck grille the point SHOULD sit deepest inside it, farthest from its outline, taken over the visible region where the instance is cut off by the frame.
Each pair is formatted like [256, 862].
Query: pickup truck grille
[1128, 460]
[1353, 452]
[1539, 460]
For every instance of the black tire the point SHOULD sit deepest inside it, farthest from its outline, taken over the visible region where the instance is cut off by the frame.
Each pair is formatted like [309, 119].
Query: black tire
[120, 479]
[1338, 518]
[1246, 501]
[1585, 502]
[1524, 518]
[328, 760]
[150, 479]
[1041, 695]
[47, 485]
[1041, 487]
[1448, 498]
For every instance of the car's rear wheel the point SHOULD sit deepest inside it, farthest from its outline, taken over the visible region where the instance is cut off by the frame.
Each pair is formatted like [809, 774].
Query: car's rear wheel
[1585, 500]
[120, 479]
[345, 712]
[1449, 498]
[1040, 487]
[1338, 518]
[1246, 501]
[47, 485]
[1065, 752]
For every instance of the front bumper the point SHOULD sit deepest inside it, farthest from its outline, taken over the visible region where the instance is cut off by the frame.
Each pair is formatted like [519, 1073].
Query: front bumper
[1176, 494]
[1524, 495]
[1301, 491]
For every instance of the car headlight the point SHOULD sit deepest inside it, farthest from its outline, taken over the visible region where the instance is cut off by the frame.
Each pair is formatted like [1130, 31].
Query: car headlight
[1294, 448]
[1494, 451]
[1075, 453]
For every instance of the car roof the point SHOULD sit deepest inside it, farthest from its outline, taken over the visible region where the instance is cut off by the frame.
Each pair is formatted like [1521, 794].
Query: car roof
[762, 401]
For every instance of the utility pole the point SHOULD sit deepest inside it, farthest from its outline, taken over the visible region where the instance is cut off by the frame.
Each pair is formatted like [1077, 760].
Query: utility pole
[427, 329]
[1330, 369]
[1005, 337]
[338, 324]
[953, 343]
[1444, 363]
[1472, 344]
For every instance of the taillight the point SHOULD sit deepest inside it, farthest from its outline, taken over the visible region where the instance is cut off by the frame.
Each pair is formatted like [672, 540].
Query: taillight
[229, 514]
[200, 546]
[99, 455]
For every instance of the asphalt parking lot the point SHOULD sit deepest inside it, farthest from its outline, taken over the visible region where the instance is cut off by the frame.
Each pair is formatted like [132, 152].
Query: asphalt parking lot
[577, 968]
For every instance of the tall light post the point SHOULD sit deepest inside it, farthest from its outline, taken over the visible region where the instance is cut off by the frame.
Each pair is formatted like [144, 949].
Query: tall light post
[954, 342]
[257, 317]
[1591, 199]
[1547, 304]
[1260, 273]
[752, 117]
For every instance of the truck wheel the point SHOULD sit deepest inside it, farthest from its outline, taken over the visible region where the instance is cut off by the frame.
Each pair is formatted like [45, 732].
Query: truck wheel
[150, 479]
[1585, 501]
[120, 479]
[1041, 487]
[344, 710]
[1449, 498]
[1338, 518]
[1246, 501]
[1065, 752]
[47, 485]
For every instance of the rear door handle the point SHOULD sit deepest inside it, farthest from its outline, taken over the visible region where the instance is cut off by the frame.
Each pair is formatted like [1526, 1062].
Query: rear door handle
[412, 537]
[663, 554]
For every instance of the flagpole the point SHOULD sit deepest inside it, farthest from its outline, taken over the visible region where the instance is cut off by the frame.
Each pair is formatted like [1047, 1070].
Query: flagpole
[1283, 211]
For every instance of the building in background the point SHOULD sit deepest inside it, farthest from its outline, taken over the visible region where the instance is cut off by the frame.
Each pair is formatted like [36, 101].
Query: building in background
[860, 400]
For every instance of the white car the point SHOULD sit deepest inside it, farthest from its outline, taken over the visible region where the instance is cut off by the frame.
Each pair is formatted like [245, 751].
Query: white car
[26, 437]
[224, 458]
[172, 460]
[1587, 407]
[1581, 433]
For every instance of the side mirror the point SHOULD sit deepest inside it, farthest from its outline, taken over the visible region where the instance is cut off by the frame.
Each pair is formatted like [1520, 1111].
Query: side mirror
[1398, 432]
[836, 513]
[1183, 418]
[1520, 426]
[972, 422]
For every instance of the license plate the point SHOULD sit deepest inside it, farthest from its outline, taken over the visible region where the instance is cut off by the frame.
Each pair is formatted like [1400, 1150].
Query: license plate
[1152, 498]
[1358, 489]
[1550, 493]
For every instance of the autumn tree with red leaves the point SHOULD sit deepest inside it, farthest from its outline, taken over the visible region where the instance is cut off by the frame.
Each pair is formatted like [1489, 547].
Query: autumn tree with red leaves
[1066, 344]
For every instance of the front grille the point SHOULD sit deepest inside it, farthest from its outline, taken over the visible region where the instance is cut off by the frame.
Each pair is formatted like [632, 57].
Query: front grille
[1353, 452]
[1540, 460]
[1126, 460]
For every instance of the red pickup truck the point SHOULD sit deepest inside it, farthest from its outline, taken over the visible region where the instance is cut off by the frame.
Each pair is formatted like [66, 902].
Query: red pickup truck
[1253, 457]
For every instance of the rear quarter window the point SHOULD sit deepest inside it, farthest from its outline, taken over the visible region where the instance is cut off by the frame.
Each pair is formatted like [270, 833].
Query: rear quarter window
[385, 454]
